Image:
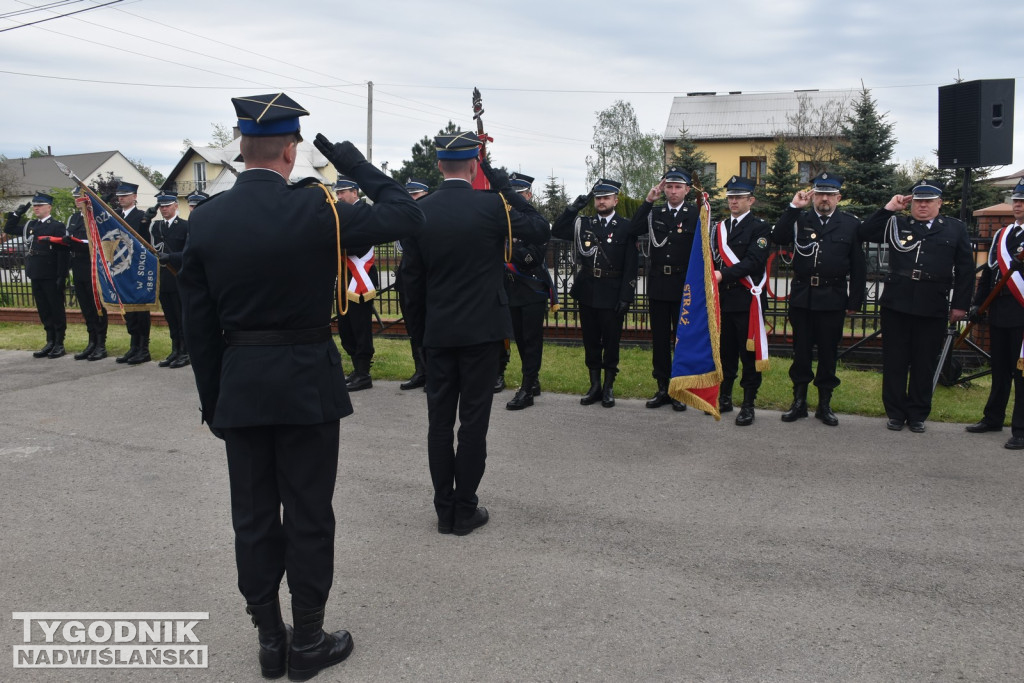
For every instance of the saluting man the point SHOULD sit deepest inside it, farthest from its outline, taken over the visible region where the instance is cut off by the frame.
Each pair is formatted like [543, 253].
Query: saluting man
[46, 265]
[1006, 326]
[929, 255]
[670, 229]
[169, 237]
[741, 252]
[605, 251]
[827, 254]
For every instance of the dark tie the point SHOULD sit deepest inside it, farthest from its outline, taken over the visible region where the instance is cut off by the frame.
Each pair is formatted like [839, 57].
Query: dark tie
[674, 212]
[732, 226]
[604, 223]
[824, 221]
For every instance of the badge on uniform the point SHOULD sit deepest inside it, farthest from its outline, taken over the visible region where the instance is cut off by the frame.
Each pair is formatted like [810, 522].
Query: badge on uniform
[762, 243]
[814, 235]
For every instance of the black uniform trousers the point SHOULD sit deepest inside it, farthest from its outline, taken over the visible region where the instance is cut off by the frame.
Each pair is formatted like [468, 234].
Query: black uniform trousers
[911, 345]
[823, 329]
[355, 329]
[49, 296]
[138, 322]
[664, 323]
[81, 268]
[528, 329]
[293, 466]
[170, 304]
[734, 349]
[1005, 350]
[459, 379]
[602, 330]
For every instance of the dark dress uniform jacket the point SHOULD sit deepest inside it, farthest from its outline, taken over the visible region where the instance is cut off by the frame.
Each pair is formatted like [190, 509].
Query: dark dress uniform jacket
[463, 241]
[919, 280]
[262, 256]
[839, 254]
[609, 275]
[1004, 311]
[749, 241]
[173, 238]
[45, 260]
[666, 274]
[530, 283]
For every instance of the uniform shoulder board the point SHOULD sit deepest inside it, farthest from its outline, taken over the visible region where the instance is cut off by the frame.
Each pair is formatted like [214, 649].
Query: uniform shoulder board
[306, 182]
[851, 215]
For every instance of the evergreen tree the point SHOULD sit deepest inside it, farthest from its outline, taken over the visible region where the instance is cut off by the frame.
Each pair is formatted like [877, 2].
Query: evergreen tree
[553, 199]
[695, 162]
[780, 184]
[865, 159]
[952, 182]
[423, 164]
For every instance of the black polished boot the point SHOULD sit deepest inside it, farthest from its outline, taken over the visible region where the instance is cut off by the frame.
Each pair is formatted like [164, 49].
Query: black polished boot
[725, 397]
[45, 351]
[535, 390]
[100, 352]
[182, 360]
[593, 394]
[499, 384]
[608, 393]
[58, 345]
[89, 348]
[166, 362]
[824, 411]
[133, 349]
[798, 408]
[524, 396]
[419, 375]
[142, 355]
[273, 636]
[661, 397]
[746, 414]
[360, 378]
[312, 649]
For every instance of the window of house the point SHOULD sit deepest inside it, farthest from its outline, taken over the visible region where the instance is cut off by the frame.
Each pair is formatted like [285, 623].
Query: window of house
[710, 171]
[804, 169]
[199, 175]
[755, 168]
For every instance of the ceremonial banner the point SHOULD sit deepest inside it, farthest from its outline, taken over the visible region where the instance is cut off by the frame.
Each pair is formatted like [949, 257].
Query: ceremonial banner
[125, 272]
[697, 364]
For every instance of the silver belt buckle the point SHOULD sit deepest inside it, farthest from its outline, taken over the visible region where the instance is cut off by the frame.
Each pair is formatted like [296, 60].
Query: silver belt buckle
[915, 275]
[667, 270]
[597, 272]
[815, 281]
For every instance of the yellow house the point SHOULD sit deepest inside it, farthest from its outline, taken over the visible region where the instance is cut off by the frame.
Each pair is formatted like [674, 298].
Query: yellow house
[737, 131]
[214, 169]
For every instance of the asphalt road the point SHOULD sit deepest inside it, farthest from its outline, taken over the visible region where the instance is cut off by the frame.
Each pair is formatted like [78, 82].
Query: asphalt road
[624, 544]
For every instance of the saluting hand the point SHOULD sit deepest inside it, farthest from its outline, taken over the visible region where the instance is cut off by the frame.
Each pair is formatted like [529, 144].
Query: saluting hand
[899, 202]
[343, 155]
[802, 198]
[655, 192]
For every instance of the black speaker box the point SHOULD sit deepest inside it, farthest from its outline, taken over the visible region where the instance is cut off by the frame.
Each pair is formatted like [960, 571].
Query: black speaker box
[976, 123]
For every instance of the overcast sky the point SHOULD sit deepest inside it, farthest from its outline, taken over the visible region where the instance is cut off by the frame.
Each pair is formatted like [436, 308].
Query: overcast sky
[139, 76]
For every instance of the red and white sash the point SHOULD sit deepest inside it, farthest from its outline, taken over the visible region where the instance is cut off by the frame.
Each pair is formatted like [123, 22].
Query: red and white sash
[360, 286]
[1016, 282]
[757, 338]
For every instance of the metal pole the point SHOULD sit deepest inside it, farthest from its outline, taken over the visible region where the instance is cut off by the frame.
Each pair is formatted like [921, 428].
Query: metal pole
[369, 121]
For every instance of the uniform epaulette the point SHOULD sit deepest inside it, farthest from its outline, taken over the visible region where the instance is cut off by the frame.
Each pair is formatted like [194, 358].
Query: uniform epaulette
[851, 215]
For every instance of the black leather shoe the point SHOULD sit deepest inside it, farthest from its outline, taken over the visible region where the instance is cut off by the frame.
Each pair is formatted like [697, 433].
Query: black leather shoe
[476, 520]
[358, 381]
[916, 426]
[725, 404]
[128, 355]
[536, 388]
[141, 357]
[313, 650]
[825, 414]
[982, 427]
[1016, 443]
[499, 384]
[43, 352]
[522, 399]
[57, 351]
[894, 424]
[608, 396]
[417, 380]
[99, 354]
[797, 410]
[661, 398]
[181, 361]
[444, 527]
[678, 406]
[745, 416]
[274, 637]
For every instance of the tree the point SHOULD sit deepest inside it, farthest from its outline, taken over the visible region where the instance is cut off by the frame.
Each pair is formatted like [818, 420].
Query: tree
[8, 183]
[553, 199]
[623, 152]
[697, 163]
[423, 164]
[952, 182]
[815, 133]
[780, 184]
[222, 135]
[865, 159]
[37, 152]
[155, 177]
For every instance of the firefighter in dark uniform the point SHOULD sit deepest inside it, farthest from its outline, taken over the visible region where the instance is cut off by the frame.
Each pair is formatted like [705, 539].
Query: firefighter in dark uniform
[169, 236]
[137, 322]
[81, 268]
[195, 199]
[929, 254]
[417, 189]
[605, 250]
[529, 287]
[827, 254]
[1006, 326]
[257, 286]
[456, 303]
[355, 328]
[46, 265]
[746, 242]
[670, 229]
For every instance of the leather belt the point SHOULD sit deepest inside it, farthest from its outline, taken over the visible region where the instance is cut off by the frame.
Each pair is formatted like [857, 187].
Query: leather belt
[818, 281]
[669, 270]
[313, 335]
[918, 274]
[602, 272]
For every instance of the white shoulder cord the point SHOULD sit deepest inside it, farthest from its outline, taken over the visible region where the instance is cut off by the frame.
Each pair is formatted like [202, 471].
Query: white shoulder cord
[586, 253]
[892, 236]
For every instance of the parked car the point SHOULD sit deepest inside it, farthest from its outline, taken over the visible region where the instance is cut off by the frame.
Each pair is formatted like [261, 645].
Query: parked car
[12, 254]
